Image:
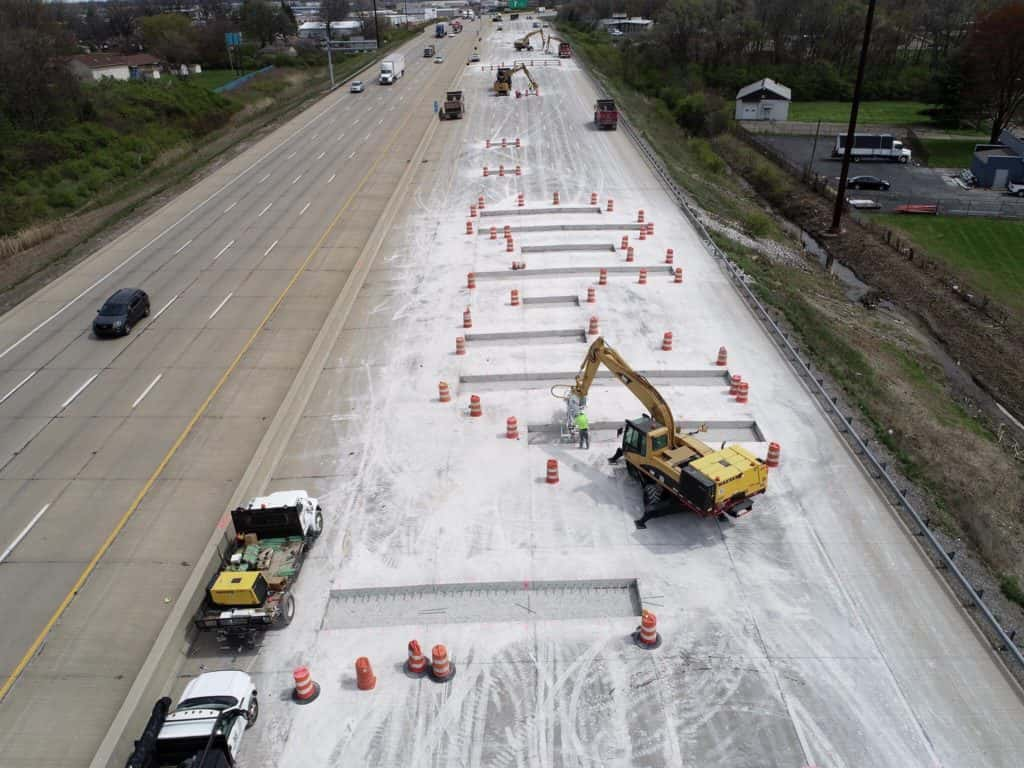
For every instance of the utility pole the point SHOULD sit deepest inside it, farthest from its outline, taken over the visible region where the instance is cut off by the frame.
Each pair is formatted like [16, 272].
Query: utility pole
[330, 59]
[814, 151]
[376, 26]
[837, 213]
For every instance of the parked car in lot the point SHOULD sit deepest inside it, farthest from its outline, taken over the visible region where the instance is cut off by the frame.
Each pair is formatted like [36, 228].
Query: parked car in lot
[868, 182]
[120, 312]
[357, 87]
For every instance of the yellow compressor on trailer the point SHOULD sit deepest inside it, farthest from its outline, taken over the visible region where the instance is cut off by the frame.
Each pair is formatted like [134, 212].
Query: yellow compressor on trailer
[239, 588]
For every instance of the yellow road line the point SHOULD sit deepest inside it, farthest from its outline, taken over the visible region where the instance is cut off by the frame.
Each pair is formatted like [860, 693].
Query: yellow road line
[108, 542]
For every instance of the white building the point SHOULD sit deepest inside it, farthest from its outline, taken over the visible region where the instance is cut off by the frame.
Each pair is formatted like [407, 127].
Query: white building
[763, 100]
[620, 24]
[96, 66]
[317, 30]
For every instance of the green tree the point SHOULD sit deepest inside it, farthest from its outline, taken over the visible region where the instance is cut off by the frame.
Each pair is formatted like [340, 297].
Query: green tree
[171, 37]
[258, 19]
[994, 64]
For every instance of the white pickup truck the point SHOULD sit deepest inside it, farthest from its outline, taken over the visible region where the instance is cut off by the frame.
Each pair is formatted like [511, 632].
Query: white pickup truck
[205, 730]
[1015, 189]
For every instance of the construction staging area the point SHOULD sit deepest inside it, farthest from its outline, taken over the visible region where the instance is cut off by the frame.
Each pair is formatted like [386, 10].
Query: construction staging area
[808, 632]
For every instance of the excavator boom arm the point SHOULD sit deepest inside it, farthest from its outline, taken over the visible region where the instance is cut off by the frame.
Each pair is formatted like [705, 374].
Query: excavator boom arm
[600, 353]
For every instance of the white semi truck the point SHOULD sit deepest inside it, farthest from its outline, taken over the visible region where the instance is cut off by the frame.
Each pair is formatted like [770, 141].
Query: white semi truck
[205, 730]
[873, 146]
[392, 68]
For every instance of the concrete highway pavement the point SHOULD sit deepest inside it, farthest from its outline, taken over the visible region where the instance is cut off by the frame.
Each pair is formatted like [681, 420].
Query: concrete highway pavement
[147, 436]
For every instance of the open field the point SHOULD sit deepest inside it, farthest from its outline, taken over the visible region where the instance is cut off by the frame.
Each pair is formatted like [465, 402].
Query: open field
[213, 78]
[986, 251]
[949, 153]
[880, 112]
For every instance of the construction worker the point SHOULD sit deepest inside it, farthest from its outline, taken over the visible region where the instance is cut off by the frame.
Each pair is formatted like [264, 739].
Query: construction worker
[583, 425]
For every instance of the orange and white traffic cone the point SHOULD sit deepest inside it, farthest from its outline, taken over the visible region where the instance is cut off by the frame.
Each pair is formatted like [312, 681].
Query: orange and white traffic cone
[734, 384]
[467, 318]
[472, 211]
[514, 298]
[471, 280]
[646, 635]
[306, 690]
[552, 476]
[594, 328]
[518, 143]
[774, 455]
[593, 198]
[504, 142]
[640, 218]
[629, 254]
[365, 680]
[554, 199]
[469, 227]
[591, 295]
[512, 428]
[475, 406]
[723, 356]
[460, 345]
[494, 233]
[487, 143]
[501, 170]
[643, 233]
[506, 231]
[602, 277]
[625, 243]
[670, 255]
[611, 205]
[650, 229]
[519, 170]
[441, 669]
[743, 392]
[678, 275]
[642, 279]
[510, 246]
[666, 342]
[480, 203]
[486, 172]
[444, 394]
[520, 200]
[416, 664]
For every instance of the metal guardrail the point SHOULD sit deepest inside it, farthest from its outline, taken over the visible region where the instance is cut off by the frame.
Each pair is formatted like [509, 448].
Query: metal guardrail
[876, 468]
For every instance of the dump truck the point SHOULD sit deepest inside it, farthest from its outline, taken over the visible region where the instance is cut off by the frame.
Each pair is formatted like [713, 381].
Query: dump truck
[564, 49]
[252, 590]
[872, 146]
[453, 107]
[676, 471]
[457, 26]
[606, 115]
[205, 730]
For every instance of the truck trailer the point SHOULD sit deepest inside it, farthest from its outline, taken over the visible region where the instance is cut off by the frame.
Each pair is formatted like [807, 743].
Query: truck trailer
[391, 69]
[873, 146]
[252, 590]
[439, 31]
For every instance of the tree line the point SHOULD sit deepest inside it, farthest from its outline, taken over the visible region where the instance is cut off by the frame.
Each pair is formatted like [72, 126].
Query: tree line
[965, 56]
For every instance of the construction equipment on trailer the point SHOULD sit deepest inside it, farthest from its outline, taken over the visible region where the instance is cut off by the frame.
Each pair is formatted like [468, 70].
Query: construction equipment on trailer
[503, 82]
[671, 466]
[453, 107]
[606, 114]
[252, 589]
[564, 49]
[524, 44]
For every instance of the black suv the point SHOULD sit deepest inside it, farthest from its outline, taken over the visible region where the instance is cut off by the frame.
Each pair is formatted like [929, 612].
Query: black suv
[120, 312]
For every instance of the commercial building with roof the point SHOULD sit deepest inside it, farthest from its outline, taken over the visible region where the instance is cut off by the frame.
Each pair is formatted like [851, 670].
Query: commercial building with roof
[996, 165]
[132, 66]
[764, 99]
[621, 24]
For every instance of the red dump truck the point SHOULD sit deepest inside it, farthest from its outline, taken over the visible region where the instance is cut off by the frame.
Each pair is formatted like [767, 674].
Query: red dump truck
[564, 51]
[606, 116]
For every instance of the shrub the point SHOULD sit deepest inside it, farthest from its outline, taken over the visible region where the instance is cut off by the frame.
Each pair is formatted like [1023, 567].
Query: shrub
[1011, 589]
[706, 156]
[756, 224]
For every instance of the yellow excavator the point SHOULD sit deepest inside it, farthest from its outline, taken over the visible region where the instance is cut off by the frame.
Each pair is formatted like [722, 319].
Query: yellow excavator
[523, 43]
[503, 82]
[670, 465]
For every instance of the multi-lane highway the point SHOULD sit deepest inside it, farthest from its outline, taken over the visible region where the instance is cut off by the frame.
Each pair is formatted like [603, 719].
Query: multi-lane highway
[118, 456]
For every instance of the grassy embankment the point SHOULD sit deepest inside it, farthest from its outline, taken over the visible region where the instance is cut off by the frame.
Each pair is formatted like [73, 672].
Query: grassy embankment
[878, 112]
[986, 251]
[884, 368]
[134, 134]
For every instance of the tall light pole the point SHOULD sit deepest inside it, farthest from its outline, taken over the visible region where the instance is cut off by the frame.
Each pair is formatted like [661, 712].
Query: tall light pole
[376, 26]
[837, 213]
[330, 60]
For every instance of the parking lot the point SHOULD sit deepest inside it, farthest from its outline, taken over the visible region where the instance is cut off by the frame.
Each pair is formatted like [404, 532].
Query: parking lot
[909, 183]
